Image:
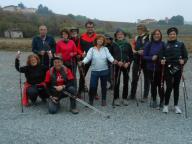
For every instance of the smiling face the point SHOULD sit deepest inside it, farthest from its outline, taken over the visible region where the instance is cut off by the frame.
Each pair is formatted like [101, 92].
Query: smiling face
[120, 36]
[157, 36]
[33, 61]
[42, 31]
[58, 64]
[100, 41]
[172, 36]
[90, 28]
[65, 36]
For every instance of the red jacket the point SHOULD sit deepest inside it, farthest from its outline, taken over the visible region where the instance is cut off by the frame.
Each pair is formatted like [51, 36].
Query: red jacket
[67, 50]
[60, 80]
[85, 43]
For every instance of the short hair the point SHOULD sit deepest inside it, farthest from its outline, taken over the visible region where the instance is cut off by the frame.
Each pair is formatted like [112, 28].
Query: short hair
[42, 26]
[65, 31]
[31, 56]
[89, 22]
[143, 27]
[98, 37]
[153, 33]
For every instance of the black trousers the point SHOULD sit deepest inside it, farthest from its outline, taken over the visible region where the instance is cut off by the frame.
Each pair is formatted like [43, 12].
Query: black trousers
[172, 83]
[54, 107]
[155, 79]
[118, 72]
[82, 77]
[135, 78]
[34, 91]
[44, 60]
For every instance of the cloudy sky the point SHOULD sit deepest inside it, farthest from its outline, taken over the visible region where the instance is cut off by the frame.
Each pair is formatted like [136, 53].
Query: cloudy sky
[114, 10]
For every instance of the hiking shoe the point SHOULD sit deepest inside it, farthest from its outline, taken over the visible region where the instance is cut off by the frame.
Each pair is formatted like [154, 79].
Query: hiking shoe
[117, 102]
[153, 104]
[177, 110]
[74, 111]
[125, 102]
[165, 109]
[144, 99]
[103, 103]
[97, 97]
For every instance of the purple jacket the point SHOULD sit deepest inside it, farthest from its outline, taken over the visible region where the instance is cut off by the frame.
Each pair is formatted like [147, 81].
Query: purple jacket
[151, 49]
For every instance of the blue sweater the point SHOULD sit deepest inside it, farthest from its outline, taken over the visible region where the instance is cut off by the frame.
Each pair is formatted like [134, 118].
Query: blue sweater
[151, 49]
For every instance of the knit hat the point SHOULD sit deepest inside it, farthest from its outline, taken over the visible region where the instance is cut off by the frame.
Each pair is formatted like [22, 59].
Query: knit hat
[119, 30]
[172, 29]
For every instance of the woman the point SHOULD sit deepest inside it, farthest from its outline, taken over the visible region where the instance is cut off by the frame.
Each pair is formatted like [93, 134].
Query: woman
[99, 56]
[151, 52]
[121, 51]
[68, 50]
[173, 57]
[35, 75]
[58, 80]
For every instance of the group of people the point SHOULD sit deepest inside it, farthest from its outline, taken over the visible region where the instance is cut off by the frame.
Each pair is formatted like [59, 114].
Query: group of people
[51, 71]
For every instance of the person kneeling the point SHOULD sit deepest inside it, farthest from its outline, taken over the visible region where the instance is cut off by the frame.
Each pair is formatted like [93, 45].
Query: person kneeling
[58, 80]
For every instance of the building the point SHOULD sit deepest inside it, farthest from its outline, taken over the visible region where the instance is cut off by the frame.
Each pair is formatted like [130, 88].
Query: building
[13, 8]
[147, 21]
[13, 33]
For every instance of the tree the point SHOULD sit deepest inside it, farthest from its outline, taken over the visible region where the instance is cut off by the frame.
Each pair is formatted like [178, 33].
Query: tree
[43, 10]
[21, 5]
[177, 20]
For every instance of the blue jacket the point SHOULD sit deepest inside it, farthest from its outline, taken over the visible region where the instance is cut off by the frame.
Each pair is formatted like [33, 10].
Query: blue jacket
[37, 44]
[151, 49]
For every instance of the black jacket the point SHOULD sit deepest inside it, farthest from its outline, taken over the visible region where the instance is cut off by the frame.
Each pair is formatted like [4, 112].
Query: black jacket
[34, 74]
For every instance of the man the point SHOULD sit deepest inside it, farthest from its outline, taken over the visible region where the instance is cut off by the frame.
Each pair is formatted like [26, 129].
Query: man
[44, 46]
[74, 35]
[58, 80]
[139, 63]
[85, 43]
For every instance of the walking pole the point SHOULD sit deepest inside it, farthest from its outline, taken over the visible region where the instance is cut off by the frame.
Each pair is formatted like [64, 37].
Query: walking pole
[20, 85]
[184, 90]
[87, 105]
[139, 76]
[114, 83]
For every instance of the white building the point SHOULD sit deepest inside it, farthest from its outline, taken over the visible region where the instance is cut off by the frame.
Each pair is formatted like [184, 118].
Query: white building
[13, 8]
[13, 33]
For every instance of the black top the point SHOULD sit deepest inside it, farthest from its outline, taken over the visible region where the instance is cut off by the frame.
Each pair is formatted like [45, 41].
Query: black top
[34, 74]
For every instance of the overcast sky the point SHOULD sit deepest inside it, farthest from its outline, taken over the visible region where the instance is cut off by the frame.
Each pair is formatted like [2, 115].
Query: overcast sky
[114, 10]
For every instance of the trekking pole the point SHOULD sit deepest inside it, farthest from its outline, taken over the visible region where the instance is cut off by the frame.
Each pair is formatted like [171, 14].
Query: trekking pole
[139, 76]
[87, 105]
[20, 85]
[184, 90]
[114, 83]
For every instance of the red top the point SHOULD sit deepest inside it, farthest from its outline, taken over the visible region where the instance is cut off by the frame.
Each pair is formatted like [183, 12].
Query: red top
[85, 37]
[67, 50]
[60, 80]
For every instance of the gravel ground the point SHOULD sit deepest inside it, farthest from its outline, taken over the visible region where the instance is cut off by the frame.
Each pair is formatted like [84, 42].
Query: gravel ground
[127, 125]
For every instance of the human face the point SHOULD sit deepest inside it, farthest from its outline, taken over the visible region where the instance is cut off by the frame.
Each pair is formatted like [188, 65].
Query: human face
[120, 36]
[140, 31]
[65, 36]
[157, 36]
[100, 42]
[90, 28]
[58, 64]
[172, 36]
[42, 31]
[74, 34]
[33, 61]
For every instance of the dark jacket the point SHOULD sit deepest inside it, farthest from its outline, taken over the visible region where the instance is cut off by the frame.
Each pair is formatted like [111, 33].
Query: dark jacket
[173, 51]
[38, 44]
[34, 74]
[151, 49]
[122, 52]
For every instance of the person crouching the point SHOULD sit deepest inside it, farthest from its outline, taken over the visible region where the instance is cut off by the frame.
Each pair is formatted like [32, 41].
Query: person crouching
[58, 80]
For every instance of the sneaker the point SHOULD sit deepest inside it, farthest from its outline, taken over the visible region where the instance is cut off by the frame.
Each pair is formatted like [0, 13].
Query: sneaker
[74, 111]
[103, 103]
[117, 102]
[153, 104]
[144, 99]
[125, 102]
[97, 97]
[177, 110]
[165, 109]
